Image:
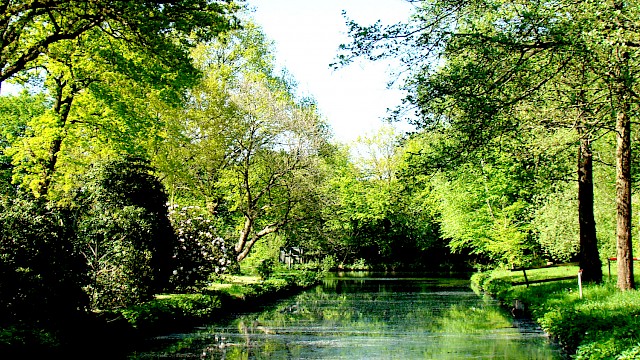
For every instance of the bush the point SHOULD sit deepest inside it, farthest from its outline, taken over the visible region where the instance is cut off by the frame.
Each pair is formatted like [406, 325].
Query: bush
[172, 310]
[604, 324]
[124, 233]
[490, 283]
[328, 264]
[358, 264]
[631, 353]
[477, 281]
[41, 270]
[266, 268]
[198, 253]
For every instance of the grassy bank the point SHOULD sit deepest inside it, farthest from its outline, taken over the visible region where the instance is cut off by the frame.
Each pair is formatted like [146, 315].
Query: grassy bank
[117, 332]
[603, 324]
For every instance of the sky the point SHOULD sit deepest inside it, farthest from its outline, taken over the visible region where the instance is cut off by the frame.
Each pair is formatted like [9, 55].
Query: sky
[354, 99]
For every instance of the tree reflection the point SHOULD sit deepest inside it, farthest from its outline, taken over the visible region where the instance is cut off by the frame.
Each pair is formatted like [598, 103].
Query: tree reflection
[369, 318]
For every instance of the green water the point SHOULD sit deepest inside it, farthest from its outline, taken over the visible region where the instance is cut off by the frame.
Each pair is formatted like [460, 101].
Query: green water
[361, 316]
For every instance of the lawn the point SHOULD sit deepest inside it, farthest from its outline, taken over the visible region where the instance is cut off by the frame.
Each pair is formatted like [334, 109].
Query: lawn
[603, 324]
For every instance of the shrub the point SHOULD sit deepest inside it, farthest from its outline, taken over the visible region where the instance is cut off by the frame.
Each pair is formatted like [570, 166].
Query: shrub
[41, 271]
[358, 264]
[603, 325]
[328, 264]
[266, 268]
[631, 353]
[197, 253]
[477, 281]
[165, 311]
[124, 233]
[490, 283]
[496, 286]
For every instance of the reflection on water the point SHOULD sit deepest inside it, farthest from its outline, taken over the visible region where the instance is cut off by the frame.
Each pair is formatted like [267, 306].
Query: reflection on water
[367, 317]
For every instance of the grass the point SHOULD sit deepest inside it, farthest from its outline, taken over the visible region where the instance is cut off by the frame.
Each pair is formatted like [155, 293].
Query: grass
[603, 324]
[237, 286]
[229, 293]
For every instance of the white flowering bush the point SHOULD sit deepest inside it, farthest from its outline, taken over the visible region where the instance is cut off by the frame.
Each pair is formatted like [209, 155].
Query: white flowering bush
[198, 252]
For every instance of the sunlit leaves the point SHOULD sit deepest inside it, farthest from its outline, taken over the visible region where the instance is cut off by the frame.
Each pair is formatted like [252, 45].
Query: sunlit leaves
[30, 28]
[244, 145]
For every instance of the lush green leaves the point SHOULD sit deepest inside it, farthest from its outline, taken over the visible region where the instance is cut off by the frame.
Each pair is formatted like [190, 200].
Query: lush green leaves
[30, 28]
[41, 268]
[124, 233]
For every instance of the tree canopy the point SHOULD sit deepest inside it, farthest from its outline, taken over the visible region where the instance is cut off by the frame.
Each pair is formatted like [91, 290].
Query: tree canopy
[30, 28]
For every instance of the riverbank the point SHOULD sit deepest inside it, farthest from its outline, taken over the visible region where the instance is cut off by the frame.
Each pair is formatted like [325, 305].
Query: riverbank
[603, 324]
[113, 334]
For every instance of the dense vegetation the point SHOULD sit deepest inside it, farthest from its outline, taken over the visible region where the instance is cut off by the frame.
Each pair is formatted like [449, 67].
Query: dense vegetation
[599, 322]
[155, 148]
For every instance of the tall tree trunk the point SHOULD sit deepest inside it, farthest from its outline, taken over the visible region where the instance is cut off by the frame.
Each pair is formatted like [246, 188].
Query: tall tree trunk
[623, 199]
[589, 257]
[61, 109]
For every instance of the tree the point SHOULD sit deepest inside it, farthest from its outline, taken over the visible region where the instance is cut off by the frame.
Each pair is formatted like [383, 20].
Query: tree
[371, 214]
[245, 145]
[40, 264]
[484, 204]
[96, 83]
[29, 28]
[15, 111]
[275, 152]
[619, 47]
[97, 60]
[477, 60]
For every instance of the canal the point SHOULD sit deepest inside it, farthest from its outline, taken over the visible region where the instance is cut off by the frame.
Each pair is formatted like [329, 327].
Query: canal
[367, 316]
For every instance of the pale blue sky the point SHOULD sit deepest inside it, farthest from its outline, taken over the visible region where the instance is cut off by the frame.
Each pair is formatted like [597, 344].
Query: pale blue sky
[307, 34]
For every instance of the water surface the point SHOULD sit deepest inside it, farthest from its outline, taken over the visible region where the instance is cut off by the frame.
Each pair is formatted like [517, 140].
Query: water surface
[367, 316]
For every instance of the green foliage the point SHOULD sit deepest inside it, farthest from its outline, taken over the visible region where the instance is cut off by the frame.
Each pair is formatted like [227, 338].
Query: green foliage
[269, 287]
[478, 279]
[490, 283]
[165, 313]
[372, 214]
[15, 112]
[245, 145]
[105, 79]
[602, 325]
[328, 264]
[556, 228]
[305, 278]
[34, 339]
[482, 210]
[124, 233]
[485, 71]
[266, 268]
[630, 353]
[557, 231]
[41, 268]
[161, 312]
[198, 252]
[358, 264]
[159, 26]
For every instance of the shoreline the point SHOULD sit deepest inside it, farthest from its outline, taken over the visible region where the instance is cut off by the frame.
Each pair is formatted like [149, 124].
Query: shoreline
[115, 335]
